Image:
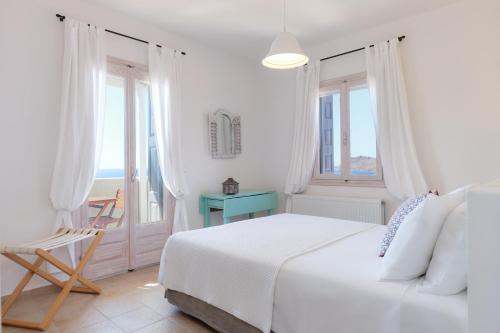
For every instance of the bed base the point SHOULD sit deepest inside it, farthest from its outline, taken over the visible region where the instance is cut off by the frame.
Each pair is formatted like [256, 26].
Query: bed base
[218, 319]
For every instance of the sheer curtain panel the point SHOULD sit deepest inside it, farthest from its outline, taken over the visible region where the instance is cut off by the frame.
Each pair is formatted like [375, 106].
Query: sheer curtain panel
[165, 80]
[402, 174]
[80, 130]
[306, 131]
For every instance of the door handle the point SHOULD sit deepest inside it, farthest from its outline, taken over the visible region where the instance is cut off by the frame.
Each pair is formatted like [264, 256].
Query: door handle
[345, 139]
[133, 177]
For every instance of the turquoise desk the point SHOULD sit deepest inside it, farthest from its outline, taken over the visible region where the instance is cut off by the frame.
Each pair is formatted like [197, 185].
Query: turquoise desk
[237, 204]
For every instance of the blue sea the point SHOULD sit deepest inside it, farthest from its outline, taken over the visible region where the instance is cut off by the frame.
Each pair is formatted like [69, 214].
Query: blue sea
[366, 173]
[120, 173]
[110, 173]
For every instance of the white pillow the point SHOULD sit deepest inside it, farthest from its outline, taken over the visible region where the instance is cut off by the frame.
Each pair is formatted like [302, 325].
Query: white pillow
[447, 272]
[409, 254]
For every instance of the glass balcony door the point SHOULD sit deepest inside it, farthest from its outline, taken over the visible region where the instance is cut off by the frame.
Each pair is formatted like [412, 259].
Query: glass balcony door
[152, 203]
[128, 199]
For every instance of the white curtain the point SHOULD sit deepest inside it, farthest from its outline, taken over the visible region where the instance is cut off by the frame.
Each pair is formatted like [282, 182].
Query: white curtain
[306, 131]
[402, 174]
[80, 129]
[165, 81]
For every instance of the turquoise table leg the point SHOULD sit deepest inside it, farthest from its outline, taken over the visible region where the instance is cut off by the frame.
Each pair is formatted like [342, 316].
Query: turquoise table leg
[206, 217]
[227, 220]
[251, 215]
[269, 211]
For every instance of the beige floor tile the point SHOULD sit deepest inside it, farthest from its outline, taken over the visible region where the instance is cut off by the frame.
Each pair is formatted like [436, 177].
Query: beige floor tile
[30, 308]
[28, 302]
[193, 324]
[116, 285]
[48, 298]
[129, 302]
[117, 304]
[153, 291]
[72, 317]
[7, 329]
[164, 326]
[26, 310]
[104, 327]
[145, 283]
[44, 291]
[147, 286]
[155, 300]
[136, 319]
[163, 309]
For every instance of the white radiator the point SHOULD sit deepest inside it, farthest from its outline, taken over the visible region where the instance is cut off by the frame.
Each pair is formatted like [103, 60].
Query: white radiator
[355, 209]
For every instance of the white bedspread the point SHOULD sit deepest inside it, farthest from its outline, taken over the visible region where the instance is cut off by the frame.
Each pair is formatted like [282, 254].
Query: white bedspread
[234, 267]
[336, 289]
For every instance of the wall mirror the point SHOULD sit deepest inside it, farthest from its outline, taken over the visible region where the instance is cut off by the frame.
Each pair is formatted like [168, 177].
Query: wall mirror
[224, 130]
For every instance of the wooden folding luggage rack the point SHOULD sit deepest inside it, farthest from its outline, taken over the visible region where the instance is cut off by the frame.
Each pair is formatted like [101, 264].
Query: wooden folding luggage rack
[42, 249]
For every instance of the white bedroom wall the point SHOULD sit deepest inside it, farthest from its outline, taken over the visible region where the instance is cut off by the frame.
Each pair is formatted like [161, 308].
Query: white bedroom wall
[451, 60]
[31, 47]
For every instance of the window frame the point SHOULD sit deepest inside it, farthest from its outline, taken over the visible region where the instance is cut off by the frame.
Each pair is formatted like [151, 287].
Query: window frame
[343, 85]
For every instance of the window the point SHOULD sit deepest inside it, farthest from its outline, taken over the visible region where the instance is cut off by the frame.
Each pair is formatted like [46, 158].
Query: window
[347, 153]
[112, 162]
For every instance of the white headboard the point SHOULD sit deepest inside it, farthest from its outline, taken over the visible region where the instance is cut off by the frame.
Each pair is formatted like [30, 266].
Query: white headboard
[483, 204]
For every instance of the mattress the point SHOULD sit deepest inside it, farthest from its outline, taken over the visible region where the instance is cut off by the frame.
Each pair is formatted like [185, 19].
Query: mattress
[333, 288]
[235, 266]
[336, 289]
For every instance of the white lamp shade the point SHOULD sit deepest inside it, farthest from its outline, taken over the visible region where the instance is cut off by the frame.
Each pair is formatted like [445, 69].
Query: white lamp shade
[285, 53]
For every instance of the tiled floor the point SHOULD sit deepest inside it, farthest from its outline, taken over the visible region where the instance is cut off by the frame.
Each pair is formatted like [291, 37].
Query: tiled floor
[132, 302]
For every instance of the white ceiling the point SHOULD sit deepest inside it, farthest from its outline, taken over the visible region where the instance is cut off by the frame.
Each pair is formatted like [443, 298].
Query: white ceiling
[249, 26]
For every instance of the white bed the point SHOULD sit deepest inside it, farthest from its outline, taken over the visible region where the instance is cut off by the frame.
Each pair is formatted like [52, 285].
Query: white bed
[298, 273]
[336, 289]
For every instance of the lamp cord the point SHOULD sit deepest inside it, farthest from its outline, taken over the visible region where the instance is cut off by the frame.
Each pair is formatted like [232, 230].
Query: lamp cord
[284, 15]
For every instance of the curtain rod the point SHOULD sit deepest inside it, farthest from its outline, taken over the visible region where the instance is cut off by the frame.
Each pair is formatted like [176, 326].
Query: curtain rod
[400, 38]
[62, 17]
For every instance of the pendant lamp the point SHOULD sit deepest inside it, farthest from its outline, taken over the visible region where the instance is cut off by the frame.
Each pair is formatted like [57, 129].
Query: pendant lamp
[285, 50]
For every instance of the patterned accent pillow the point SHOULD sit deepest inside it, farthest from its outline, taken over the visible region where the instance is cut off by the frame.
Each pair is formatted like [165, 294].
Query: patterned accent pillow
[397, 218]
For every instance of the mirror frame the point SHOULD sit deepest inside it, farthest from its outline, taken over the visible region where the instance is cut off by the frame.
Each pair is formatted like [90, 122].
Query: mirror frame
[235, 148]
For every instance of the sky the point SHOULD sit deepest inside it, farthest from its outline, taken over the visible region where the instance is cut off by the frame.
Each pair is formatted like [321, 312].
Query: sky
[363, 141]
[362, 129]
[113, 147]
[112, 161]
